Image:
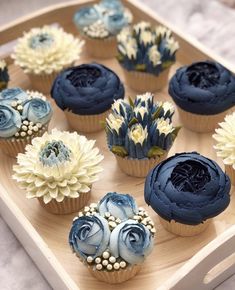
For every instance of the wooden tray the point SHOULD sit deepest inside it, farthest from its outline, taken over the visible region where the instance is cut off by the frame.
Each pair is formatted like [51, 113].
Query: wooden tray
[45, 236]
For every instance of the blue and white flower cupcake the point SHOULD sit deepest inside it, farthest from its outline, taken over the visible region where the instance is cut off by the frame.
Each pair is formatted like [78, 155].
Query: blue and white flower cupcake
[140, 133]
[23, 116]
[146, 54]
[99, 24]
[4, 76]
[112, 238]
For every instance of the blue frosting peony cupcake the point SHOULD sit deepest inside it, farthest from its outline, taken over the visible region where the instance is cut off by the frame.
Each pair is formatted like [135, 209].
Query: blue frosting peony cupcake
[204, 93]
[146, 53]
[4, 76]
[99, 24]
[187, 190]
[86, 93]
[112, 238]
[140, 133]
[23, 116]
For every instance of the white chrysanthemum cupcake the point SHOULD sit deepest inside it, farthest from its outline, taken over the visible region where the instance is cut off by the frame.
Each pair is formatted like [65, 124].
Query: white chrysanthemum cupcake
[112, 238]
[225, 146]
[43, 52]
[58, 169]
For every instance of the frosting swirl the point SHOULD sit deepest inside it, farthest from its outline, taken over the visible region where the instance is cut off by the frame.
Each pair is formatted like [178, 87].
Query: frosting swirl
[122, 206]
[10, 121]
[204, 88]
[131, 241]
[188, 188]
[87, 89]
[89, 236]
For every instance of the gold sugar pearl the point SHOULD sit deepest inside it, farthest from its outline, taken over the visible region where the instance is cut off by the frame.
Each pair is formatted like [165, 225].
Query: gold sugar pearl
[122, 264]
[88, 214]
[112, 259]
[80, 214]
[25, 122]
[89, 259]
[107, 214]
[23, 134]
[19, 102]
[93, 205]
[29, 132]
[116, 266]
[112, 224]
[149, 227]
[118, 220]
[153, 230]
[98, 260]
[31, 123]
[24, 128]
[109, 267]
[86, 209]
[39, 125]
[17, 134]
[106, 255]
[136, 217]
[99, 267]
[14, 104]
[35, 129]
[112, 218]
[19, 108]
[105, 262]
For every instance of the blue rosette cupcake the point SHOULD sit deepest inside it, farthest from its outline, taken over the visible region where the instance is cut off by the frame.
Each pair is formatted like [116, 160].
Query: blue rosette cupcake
[140, 133]
[99, 24]
[146, 54]
[4, 76]
[23, 116]
[187, 190]
[85, 93]
[204, 93]
[112, 238]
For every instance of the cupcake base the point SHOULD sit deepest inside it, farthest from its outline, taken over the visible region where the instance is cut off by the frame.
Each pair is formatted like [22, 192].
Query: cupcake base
[183, 229]
[13, 146]
[101, 48]
[43, 82]
[231, 173]
[145, 82]
[115, 277]
[67, 206]
[86, 123]
[138, 167]
[201, 123]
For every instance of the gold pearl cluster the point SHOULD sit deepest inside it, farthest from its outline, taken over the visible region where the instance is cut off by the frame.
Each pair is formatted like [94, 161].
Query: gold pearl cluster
[144, 218]
[107, 262]
[112, 221]
[88, 210]
[96, 30]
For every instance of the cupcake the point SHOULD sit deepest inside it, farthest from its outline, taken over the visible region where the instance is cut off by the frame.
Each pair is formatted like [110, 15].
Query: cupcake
[140, 134]
[4, 76]
[204, 93]
[85, 93]
[99, 25]
[58, 169]
[112, 238]
[187, 190]
[23, 116]
[225, 145]
[43, 52]
[146, 54]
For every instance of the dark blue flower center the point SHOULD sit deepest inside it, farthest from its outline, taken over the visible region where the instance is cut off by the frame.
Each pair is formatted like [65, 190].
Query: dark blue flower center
[190, 176]
[203, 75]
[84, 76]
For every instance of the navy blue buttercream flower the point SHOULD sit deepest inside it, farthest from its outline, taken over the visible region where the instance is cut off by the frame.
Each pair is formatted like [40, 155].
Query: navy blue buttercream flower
[122, 206]
[132, 241]
[188, 188]
[204, 88]
[37, 110]
[87, 89]
[10, 121]
[4, 76]
[89, 236]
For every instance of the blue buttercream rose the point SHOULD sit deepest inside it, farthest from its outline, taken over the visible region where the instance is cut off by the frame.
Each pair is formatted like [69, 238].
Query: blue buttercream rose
[89, 236]
[115, 22]
[122, 206]
[115, 5]
[188, 188]
[132, 241]
[8, 96]
[37, 110]
[87, 89]
[10, 121]
[204, 88]
[85, 17]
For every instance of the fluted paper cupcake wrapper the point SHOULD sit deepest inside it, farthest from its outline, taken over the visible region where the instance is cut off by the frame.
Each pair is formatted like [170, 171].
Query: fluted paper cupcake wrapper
[86, 123]
[13, 146]
[183, 229]
[231, 173]
[68, 205]
[138, 167]
[101, 48]
[43, 82]
[146, 82]
[201, 123]
[115, 276]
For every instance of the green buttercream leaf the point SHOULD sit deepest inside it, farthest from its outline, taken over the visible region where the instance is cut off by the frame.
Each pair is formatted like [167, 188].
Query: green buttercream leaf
[119, 150]
[155, 151]
[131, 102]
[140, 67]
[132, 122]
[167, 64]
[176, 131]
[103, 125]
[157, 113]
[120, 57]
